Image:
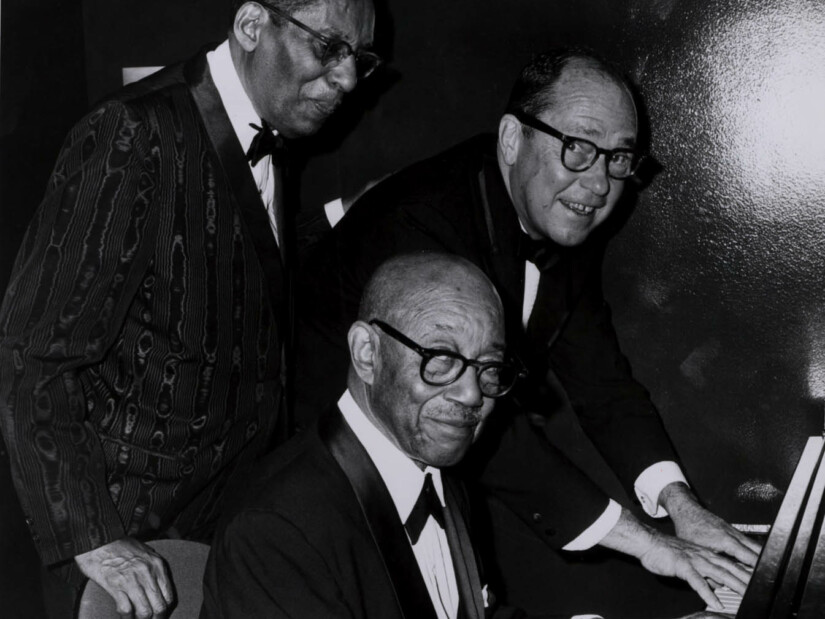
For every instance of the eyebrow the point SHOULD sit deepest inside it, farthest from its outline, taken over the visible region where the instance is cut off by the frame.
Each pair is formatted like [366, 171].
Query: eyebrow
[335, 34]
[594, 134]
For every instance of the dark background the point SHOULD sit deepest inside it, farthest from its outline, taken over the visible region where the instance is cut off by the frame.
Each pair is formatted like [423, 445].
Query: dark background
[717, 279]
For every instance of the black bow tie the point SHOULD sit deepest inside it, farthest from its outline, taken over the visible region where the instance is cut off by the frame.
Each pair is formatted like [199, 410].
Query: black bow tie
[265, 143]
[540, 252]
[427, 505]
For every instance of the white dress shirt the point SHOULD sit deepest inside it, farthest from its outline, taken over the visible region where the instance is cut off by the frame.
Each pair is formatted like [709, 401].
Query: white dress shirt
[241, 113]
[404, 480]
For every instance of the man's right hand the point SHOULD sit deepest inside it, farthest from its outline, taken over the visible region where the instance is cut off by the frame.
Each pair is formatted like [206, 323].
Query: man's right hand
[133, 574]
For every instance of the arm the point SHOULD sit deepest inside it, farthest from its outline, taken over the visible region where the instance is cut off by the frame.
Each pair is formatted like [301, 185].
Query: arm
[613, 408]
[75, 276]
[263, 565]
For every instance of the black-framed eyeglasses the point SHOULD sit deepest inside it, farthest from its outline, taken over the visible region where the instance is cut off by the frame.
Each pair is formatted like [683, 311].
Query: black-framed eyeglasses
[334, 51]
[578, 154]
[441, 367]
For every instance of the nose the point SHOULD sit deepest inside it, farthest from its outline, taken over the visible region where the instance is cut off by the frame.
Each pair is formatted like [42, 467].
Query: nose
[343, 75]
[596, 178]
[465, 390]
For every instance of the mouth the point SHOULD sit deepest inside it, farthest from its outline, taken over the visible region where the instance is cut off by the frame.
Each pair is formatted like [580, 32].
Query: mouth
[582, 210]
[325, 107]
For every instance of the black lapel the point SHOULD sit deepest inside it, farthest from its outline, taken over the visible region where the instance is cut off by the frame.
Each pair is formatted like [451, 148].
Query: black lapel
[500, 229]
[461, 550]
[381, 516]
[233, 160]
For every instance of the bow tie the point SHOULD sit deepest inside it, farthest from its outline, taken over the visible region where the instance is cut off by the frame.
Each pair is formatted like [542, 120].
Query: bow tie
[540, 252]
[427, 505]
[265, 143]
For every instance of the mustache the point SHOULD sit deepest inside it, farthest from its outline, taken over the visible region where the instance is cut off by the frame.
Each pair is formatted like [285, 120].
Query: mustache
[463, 415]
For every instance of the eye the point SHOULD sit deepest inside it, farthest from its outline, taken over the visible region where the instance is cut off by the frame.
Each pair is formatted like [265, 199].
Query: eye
[622, 158]
[440, 367]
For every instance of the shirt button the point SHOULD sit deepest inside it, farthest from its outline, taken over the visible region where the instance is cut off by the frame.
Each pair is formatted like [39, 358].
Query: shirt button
[537, 517]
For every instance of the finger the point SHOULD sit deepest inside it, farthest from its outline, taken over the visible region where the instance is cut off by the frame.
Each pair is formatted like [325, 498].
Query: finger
[698, 584]
[736, 547]
[164, 581]
[141, 604]
[156, 601]
[122, 603]
[723, 576]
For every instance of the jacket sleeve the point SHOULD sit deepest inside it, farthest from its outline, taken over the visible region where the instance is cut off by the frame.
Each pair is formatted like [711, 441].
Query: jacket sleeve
[80, 264]
[263, 565]
[614, 409]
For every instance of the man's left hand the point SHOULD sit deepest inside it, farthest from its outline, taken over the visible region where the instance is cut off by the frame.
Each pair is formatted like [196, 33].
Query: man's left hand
[696, 524]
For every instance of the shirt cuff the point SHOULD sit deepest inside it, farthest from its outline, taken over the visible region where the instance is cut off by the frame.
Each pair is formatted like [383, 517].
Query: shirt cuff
[335, 211]
[593, 534]
[652, 481]
[586, 617]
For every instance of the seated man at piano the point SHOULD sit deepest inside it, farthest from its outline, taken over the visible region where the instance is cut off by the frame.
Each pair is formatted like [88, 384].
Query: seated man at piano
[527, 206]
[355, 517]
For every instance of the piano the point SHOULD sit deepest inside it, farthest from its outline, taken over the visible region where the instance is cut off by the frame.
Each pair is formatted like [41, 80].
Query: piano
[789, 578]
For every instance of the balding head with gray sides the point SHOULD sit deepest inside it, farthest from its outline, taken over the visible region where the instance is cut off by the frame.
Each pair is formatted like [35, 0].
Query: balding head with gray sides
[534, 88]
[404, 287]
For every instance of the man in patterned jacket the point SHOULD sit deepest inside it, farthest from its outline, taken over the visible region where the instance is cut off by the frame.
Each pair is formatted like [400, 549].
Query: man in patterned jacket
[141, 337]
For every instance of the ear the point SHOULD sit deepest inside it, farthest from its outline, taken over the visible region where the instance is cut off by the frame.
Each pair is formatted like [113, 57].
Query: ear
[363, 350]
[509, 138]
[249, 21]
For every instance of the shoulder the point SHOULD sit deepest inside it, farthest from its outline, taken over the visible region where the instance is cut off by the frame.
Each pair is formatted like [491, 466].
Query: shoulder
[430, 202]
[297, 479]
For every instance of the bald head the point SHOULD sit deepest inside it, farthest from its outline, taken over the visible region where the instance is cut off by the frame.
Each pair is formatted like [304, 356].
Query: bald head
[406, 286]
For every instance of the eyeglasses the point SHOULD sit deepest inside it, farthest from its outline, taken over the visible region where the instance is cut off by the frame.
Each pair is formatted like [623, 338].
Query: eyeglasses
[334, 51]
[440, 367]
[578, 154]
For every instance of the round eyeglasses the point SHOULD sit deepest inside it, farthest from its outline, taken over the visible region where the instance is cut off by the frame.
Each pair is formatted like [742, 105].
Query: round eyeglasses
[578, 154]
[440, 367]
[334, 51]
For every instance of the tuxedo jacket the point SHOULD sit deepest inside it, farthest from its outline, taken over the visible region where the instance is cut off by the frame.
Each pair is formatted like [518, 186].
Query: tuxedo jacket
[318, 535]
[140, 336]
[456, 202]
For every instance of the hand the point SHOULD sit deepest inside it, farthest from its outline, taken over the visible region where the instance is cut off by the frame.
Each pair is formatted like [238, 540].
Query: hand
[671, 556]
[133, 574]
[666, 555]
[696, 524]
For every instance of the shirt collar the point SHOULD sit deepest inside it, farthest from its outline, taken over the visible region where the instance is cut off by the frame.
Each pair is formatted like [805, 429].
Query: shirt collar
[233, 96]
[403, 478]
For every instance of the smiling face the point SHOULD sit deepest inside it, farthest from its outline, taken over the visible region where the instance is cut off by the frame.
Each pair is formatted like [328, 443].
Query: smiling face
[436, 425]
[453, 308]
[553, 202]
[282, 73]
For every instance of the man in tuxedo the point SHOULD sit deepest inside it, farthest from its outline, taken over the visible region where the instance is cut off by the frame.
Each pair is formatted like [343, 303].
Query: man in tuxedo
[526, 206]
[142, 335]
[354, 517]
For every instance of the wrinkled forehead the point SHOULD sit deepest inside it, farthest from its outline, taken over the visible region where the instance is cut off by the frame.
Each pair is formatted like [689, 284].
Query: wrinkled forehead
[472, 318]
[590, 99]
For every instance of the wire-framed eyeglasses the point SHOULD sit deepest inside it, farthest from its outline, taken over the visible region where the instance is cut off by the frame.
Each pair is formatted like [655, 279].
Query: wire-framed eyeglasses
[578, 154]
[441, 367]
[334, 51]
